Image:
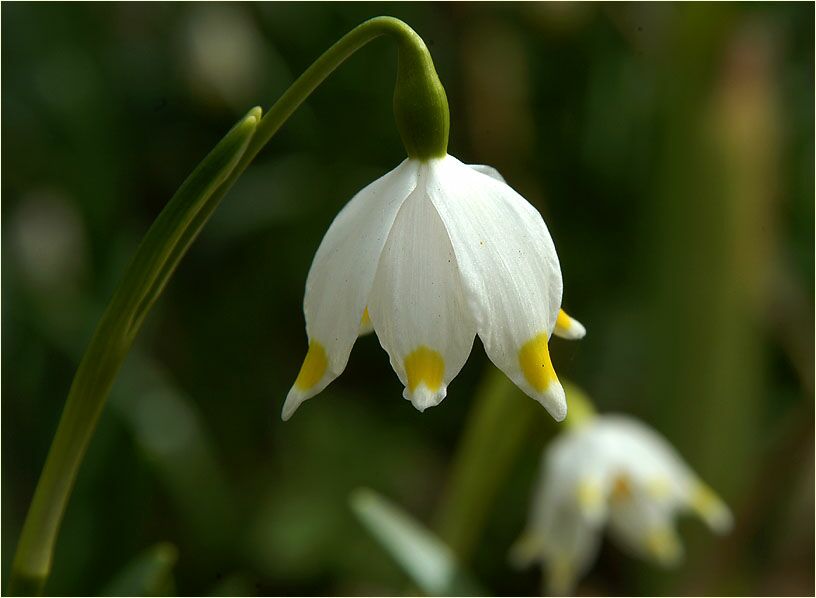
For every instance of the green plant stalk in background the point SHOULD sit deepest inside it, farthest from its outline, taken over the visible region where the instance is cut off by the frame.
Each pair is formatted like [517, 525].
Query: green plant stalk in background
[421, 112]
[496, 429]
[428, 562]
[502, 422]
[149, 574]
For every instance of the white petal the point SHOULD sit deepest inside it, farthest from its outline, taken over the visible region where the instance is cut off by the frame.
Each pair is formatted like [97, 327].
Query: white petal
[571, 546]
[510, 273]
[487, 170]
[559, 534]
[645, 456]
[579, 473]
[645, 527]
[417, 304]
[341, 276]
[568, 327]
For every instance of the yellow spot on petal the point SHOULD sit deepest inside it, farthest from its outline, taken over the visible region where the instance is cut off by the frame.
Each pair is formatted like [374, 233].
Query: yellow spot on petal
[313, 368]
[563, 321]
[568, 327]
[365, 321]
[534, 359]
[704, 500]
[659, 488]
[424, 366]
[589, 495]
[710, 507]
[561, 576]
[621, 488]
[663, 545]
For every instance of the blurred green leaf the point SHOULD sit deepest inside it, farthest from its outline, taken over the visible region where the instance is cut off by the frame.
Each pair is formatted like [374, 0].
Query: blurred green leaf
[236, 584]
[149, 574]
[169, 431]
[429, 562]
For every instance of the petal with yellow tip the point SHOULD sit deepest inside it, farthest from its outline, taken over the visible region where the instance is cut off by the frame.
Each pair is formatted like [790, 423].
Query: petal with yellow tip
[308, 382]
[343, 271]
[541, 382]
[568, 327]
[710, 507]
[366, 326]
[417, 304]
[645, 527]
[425, 372]
[508, 265]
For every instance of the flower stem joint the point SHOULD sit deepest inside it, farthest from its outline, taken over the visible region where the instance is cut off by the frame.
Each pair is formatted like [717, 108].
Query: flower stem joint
[420, 104]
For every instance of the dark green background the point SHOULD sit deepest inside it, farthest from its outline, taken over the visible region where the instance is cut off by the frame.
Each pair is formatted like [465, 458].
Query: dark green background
[668, 146]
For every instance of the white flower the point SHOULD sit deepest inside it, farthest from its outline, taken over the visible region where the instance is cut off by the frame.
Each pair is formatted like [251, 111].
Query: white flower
[430, 255]
[611, 469]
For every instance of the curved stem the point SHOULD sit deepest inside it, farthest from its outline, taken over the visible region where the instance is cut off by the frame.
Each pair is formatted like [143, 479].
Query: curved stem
[157, 258]
[412, 50]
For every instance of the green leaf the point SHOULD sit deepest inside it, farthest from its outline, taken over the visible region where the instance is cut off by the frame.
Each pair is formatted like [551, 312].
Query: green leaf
[428, 561]
[149, 574]
[156, 258]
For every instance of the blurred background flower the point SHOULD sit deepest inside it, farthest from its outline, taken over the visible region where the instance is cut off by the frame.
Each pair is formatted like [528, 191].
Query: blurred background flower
[610, 472]
[670, 146]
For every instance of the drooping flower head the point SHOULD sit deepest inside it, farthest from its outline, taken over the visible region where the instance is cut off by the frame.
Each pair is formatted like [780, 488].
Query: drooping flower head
[611, 471]
[430, 255]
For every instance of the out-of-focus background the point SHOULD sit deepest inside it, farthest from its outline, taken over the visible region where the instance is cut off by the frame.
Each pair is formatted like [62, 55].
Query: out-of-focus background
[670, 148]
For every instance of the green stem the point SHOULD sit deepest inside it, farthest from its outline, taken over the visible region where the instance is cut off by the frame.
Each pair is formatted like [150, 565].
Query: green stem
[497, 429]
[417, 93]
[581, 409]
[502, 421]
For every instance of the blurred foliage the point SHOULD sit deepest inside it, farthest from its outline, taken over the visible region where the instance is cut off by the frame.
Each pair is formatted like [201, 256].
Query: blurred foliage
[430, 563]
[668, 146]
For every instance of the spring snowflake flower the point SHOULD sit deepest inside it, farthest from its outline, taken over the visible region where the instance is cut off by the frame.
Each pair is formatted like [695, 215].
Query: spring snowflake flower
[611, 470]
[428, 256]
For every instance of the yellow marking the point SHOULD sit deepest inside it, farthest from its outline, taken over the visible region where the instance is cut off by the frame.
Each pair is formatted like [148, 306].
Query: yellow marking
[562, 575]
[704, 501]
[662, 544]
[659, 488]
[563, 321]
[589, 494]
[710, 507]
[365, 321]
[424, 366]
[621, 488]
[568, 327]
[313, 368]
[534, 359]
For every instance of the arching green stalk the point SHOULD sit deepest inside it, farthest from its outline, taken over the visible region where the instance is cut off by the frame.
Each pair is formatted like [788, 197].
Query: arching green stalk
[421, 111]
